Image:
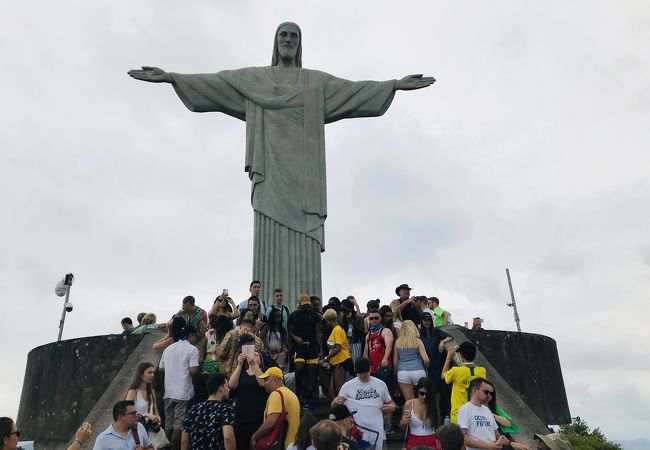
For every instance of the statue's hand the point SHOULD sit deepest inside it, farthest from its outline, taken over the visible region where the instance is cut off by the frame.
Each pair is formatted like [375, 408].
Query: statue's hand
[410, 82]
[151, 74]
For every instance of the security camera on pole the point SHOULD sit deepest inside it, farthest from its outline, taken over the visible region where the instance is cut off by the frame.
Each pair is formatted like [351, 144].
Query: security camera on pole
[63, 288]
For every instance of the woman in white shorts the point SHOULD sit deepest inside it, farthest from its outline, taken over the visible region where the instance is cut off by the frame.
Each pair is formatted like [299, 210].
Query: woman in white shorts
[410, 357]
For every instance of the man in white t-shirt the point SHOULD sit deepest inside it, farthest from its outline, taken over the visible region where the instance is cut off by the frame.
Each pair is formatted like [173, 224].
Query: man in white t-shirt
[369, 397]
[477, 421]
[179, 361]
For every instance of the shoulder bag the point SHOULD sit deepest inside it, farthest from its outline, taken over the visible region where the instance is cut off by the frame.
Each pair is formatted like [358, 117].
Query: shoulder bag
[268, 441]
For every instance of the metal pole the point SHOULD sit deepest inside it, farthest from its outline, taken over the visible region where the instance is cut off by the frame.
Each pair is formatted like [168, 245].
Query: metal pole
[65, 302]
[69, 278]
[514, 303]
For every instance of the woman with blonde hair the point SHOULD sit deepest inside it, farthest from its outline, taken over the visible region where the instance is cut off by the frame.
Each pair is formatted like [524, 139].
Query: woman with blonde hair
[410, 359]
[339, 353]
[148, 324]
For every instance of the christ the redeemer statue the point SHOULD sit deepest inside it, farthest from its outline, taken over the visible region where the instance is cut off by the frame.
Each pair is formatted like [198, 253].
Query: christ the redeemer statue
[285, 108]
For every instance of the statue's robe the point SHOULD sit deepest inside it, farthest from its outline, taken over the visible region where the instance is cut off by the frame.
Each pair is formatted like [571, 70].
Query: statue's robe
[285, 158]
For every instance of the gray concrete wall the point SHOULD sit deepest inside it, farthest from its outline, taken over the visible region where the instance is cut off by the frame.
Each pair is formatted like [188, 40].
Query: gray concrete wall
[63, 382]
[101, 415]
[507, 397]
[530, 364]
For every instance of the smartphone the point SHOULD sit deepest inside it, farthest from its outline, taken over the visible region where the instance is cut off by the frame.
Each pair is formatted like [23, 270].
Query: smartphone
[248, 349]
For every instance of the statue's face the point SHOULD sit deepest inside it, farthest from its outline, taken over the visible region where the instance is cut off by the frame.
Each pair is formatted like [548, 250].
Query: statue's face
[288, 40]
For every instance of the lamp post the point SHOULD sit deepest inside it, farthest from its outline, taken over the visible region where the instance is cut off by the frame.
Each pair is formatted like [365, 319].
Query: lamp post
[513, 305]
[63, 288]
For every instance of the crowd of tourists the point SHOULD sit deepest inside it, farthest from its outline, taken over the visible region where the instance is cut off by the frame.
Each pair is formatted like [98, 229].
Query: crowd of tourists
[248, 376]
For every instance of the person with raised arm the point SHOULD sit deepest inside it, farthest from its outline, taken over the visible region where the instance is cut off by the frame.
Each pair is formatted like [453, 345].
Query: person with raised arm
[250, 398]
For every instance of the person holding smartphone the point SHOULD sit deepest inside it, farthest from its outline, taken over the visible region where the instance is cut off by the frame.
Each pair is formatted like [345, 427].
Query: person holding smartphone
[224, 305]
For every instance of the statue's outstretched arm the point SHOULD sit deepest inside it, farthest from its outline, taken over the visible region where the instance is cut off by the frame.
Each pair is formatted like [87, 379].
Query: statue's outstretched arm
[417, 81]
[151, 74]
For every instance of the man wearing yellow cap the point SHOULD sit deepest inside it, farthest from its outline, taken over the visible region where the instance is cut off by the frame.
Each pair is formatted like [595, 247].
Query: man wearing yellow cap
[280, 400]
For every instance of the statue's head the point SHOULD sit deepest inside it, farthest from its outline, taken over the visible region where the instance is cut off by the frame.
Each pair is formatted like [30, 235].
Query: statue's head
[287, 44]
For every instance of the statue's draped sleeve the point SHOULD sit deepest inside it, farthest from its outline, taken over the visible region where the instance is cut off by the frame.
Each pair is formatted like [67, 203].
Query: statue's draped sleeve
[349, 99]
[209, 92]
[285, 143]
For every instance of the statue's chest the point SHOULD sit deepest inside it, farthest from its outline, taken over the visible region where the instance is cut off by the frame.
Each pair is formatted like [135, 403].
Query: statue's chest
[285, 81]
[283, 89]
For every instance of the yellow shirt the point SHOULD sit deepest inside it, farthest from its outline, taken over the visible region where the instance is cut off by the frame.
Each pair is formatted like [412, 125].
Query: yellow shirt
[461, 377]
[338, 336]
[291, 407]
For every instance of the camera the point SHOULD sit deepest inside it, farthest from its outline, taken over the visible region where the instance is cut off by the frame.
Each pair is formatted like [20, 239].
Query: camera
[68, 307]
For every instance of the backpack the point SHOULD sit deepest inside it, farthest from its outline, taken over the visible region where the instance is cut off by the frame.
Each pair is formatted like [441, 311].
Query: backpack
[270, 309]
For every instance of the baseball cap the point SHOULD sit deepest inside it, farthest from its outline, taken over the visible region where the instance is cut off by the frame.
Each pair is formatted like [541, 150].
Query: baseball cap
[340, 412]
[272, 372]
[362, 365]
[304, 299]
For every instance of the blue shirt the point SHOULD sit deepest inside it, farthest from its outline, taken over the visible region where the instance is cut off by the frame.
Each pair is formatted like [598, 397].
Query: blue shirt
[409, 359]
[109, 439]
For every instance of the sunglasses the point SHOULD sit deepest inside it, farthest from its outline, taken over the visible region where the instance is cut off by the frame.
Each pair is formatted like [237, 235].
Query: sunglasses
[17, 433]
[488, 392]
[373, 318]
[422, 393]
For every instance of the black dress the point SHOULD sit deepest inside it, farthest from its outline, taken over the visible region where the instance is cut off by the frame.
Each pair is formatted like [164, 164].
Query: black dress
[250, 401]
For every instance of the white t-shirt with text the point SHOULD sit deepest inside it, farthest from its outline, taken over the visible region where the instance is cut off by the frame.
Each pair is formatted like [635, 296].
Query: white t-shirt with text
[478, 421]
[367, 399]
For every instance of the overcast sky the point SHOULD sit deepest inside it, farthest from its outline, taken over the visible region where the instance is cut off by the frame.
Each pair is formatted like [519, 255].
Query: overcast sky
[530, 152]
